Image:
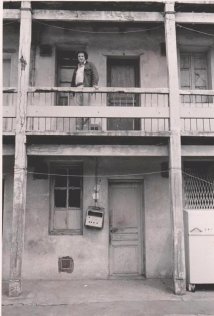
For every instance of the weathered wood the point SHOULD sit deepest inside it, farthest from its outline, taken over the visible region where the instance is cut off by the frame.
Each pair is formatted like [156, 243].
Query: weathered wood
[195, 1]
[52, 131]
[97, 16]
[197, 92]
[205, 133]
[6, 133]
[98, 150]
[8, 124]
[179, 274]
[197, 151]
[194, 17]
[11, 14]
[209, 92]
[9, 89]
[99, 90]
[9, 111]
[197, 112]
[97, 111]
[8, 150]
[117, 16]
[20, 178]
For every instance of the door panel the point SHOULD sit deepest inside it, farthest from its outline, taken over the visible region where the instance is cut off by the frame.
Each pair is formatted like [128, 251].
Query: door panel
[123, 73]
[125, 202]
[125, 260]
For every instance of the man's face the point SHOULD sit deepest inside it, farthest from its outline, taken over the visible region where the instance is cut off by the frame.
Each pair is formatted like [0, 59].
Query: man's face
[81, 58]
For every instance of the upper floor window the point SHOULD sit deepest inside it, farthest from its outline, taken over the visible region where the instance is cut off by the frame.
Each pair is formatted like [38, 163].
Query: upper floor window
[194, 75]
[66, 200]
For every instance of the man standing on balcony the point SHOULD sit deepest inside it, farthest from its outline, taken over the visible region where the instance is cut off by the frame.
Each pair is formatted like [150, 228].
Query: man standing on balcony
[85, 75]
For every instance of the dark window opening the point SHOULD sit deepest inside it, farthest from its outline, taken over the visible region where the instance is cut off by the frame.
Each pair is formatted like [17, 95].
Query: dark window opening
[66, 197]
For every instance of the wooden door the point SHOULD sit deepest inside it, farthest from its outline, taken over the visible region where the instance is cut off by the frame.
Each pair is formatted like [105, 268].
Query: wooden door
[66, 62]
[123, 73]
[125, 204]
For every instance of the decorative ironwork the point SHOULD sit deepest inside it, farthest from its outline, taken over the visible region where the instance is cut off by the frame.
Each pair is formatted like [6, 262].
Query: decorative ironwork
[198, 189]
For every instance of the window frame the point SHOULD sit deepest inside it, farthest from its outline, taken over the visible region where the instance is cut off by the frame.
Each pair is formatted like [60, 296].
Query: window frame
[193, 99]
[52, 171]
[192, 55]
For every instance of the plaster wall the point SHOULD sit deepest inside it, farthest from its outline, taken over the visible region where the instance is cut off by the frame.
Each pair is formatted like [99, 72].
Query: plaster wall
[90, 251]
[146, 45]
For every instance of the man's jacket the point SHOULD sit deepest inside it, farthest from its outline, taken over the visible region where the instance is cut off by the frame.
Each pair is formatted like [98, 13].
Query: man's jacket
[91, 76]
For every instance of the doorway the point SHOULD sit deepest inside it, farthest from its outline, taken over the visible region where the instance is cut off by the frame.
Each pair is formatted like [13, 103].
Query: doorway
[123, 72]
[66, 63]
[126, 228]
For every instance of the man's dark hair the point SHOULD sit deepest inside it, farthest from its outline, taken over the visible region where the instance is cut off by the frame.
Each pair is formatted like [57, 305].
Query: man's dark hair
[83, 52]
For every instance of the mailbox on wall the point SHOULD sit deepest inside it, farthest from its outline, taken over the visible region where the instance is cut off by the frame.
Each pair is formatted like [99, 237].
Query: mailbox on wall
[94, 217]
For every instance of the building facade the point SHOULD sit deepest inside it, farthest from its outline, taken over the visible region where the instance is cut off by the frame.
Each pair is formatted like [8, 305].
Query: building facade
[144, 150]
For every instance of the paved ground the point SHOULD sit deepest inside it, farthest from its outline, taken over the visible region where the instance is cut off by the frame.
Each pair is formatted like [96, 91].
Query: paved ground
[106, 298]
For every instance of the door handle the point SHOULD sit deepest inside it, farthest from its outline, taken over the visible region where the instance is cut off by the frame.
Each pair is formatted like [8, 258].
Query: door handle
[113, 230]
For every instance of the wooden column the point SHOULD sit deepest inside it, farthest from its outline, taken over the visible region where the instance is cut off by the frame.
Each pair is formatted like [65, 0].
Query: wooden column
[179, 275]
[20, 175]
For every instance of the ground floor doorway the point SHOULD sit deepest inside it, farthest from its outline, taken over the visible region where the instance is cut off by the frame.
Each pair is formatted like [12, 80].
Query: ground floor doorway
[126, 228]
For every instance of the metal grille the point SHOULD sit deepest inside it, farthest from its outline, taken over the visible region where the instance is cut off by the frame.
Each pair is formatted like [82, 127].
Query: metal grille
[66, 264]
[198, 189]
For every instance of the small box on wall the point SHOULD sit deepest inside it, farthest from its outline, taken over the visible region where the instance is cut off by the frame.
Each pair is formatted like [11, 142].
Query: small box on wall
[94, 217]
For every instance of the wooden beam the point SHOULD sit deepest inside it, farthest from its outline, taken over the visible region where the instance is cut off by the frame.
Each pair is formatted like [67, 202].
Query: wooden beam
[197, 151]
[194, 17]
[98, 150]
[98, 90]
[118, 133]
[186, 150]
[9, 89]
[20, 177]
[97, 16]
[6, 133]
[195, 112]
[9, 111]
[179, 274]
[197, 92]
[197, 134]
[11, 14]
[195, 1]
[97, 111]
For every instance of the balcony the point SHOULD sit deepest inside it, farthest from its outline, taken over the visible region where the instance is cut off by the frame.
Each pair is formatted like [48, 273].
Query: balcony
[197, 112]
[112, 111]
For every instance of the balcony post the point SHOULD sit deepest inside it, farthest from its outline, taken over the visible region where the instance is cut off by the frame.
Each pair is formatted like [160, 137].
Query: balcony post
[20, 174]
[179, 274]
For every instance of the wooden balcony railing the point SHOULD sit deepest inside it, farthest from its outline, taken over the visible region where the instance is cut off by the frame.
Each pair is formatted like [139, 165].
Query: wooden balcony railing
[197, 111]
[108, 110]
[9, 110]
